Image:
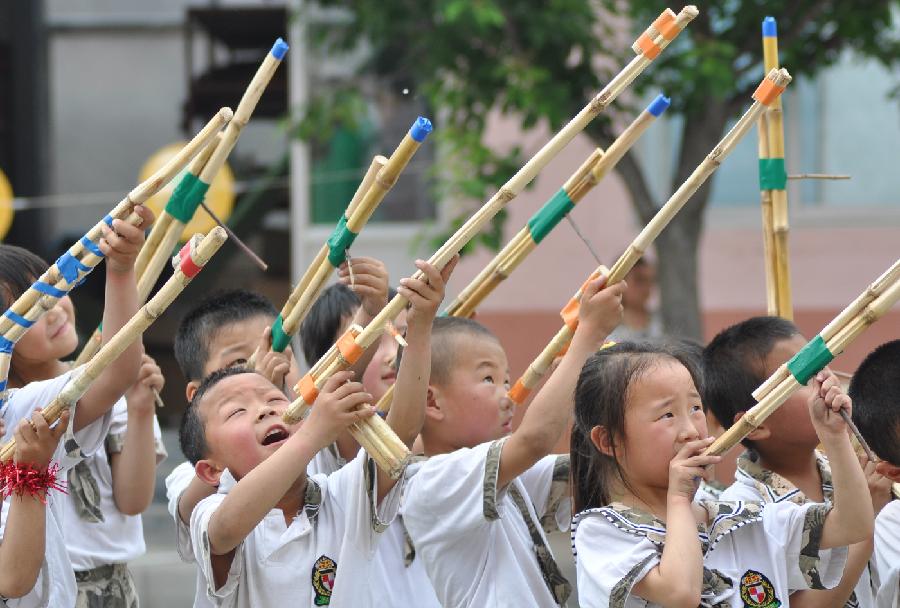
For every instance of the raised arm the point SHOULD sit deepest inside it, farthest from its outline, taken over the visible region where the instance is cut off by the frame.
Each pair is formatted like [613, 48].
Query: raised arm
[545, 421]
[369, 282]
[134, 468]
[852, 520]
[121, 245]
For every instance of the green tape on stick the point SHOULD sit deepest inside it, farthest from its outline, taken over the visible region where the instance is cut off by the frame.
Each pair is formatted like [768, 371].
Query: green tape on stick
[280, 340]
[339, 241]
[550, 215]
[186, 198]
[810, 360]
[772, 174]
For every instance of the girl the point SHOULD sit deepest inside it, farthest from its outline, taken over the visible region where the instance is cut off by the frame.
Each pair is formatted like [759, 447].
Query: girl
[638, 537]
[38, 374]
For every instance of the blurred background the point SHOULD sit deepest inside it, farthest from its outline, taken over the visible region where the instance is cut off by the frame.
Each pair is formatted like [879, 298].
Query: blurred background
[94, 90]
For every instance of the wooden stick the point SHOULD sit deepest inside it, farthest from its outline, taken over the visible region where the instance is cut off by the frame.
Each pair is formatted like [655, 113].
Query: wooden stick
[818, 176]
[778, 264]
[781, 391]
[358, 212]
[83, 377]
[650, 44]
[768, 226]
[859, 437]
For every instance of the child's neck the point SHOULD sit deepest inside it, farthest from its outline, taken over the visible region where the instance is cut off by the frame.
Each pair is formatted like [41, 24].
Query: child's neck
[35, 371]
[293, 500]
[642, 497]
[797, 465]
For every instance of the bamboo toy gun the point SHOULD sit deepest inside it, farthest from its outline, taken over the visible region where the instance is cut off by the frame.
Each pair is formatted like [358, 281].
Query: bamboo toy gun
[375, 436]
[378, 181]
[867, 308]
[582, 181]
[80, 259]
[192, 258]
[192, 188]
[768, 91]
[772, 185]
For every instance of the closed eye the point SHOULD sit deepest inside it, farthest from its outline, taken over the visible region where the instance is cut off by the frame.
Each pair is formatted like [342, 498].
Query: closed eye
[666, 415]
[234, 412]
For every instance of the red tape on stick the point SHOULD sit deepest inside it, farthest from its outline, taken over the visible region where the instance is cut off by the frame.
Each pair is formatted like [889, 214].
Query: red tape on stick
[187, 266]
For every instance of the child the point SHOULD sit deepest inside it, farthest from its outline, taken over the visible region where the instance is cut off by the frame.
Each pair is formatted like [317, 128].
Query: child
[637, 455]
[222, 331]
[781, 462]
[474, 510]
[107, 493]
[38, 355]
[875, 390]
[275, 523]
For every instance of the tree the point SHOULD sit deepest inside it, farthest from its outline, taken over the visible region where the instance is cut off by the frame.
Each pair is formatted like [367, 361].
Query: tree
[542, 61]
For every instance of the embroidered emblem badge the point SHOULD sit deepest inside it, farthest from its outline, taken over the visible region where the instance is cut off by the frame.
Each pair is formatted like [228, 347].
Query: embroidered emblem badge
[323, 573]
[757, 591]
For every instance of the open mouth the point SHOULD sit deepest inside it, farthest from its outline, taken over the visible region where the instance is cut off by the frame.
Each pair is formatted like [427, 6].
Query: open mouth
[275, 435]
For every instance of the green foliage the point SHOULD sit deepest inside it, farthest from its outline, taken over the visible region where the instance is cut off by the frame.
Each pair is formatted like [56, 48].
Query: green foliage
[542, 61]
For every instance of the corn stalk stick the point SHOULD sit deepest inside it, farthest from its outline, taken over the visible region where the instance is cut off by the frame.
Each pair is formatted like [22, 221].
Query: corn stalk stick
[772, 86]
[871, 293]
[334, 252]
[647, 47]
[806, 364]
[191, 262]
[772, 185]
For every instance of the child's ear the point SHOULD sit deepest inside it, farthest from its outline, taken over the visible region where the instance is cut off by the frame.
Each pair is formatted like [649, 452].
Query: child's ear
[190, 389]
[602, 440]
[890, 471]
[208, 472]
[432, 407]
[759, 433]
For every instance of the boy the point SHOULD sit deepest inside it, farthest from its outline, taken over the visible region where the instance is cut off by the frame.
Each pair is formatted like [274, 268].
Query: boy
[781, 462]
[276, 523]
[875, 389]
[85, 428]
[474, 509]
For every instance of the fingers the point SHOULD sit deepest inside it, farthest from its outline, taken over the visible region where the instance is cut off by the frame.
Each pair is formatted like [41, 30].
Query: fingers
[57, 431]
[348, 389]
[265, 340]
[147, 216]
[447, 270]
[336, 380]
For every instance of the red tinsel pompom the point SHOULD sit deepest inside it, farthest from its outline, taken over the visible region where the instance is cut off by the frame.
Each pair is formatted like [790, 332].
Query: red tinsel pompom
[18, 479]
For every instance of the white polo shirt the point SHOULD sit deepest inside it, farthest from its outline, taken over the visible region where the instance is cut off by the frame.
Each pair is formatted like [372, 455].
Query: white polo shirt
[762, 552]
[319, 558]
[474, 543]
[887, 556]
[55, 586]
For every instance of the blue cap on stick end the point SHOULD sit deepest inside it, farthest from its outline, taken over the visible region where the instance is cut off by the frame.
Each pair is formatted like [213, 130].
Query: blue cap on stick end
[770, 27]
[279, 49]
[659, 105]
[420, 129]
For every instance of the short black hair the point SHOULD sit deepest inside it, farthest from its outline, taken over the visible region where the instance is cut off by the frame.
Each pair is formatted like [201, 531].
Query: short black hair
[200, 325]
[318, 331]
[192, 431]
[734, 365]
[875, 390]
[444, 332]
[19, 268]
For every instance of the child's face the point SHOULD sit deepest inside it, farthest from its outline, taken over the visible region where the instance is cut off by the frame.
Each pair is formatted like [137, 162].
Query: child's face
[381, 373]
[242, 415]
[474, 400]
[662, 412]
[52, 337]
[791, 423]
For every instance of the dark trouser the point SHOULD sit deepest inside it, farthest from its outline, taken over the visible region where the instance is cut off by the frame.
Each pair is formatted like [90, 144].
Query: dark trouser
[109, 586]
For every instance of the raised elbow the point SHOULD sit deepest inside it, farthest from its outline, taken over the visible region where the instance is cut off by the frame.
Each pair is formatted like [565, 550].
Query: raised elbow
[131, 504]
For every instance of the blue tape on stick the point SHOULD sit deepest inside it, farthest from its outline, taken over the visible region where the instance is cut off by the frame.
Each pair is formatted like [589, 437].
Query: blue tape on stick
[69, 266]
[91, 246]
[279, 49]
[770, 27]
[659, 105]
[108, 220]
[18, 319]
[2, 387]
[6, 346]
[420, 129]
[48, 289]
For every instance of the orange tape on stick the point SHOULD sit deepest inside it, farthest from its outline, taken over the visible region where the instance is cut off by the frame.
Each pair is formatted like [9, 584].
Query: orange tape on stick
[519, 393]
[666, 26]
[650, 49]
[767, 92]
[349, 349]
[307, 389]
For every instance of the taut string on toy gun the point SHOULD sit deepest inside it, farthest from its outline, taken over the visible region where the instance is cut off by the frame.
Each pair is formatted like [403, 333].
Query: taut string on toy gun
[190, 260]
[81, 258]
[769, 90]
[867, 308]
[351, 346]
[191, 190]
